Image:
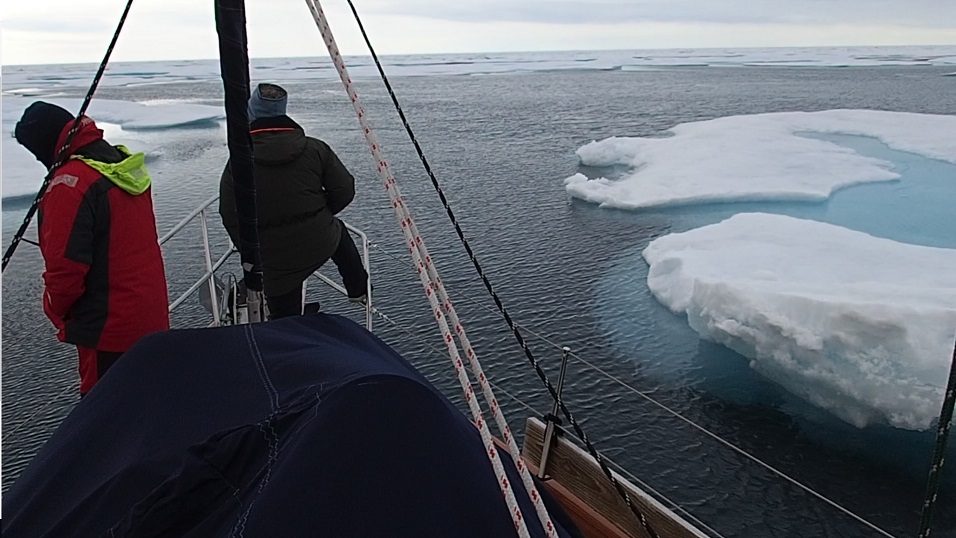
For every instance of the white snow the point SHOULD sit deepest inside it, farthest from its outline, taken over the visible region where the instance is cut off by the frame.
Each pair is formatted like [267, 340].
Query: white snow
[22, 174]
[756, 157]
[858, 325]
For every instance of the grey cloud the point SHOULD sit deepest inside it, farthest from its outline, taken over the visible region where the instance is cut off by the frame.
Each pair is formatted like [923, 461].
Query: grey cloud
[928, 13]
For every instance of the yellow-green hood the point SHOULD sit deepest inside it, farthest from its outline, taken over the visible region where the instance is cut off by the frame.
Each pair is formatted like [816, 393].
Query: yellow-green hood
[130, 174]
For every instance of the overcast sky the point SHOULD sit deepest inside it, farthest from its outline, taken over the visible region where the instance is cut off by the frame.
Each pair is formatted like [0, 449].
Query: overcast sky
[64, 31]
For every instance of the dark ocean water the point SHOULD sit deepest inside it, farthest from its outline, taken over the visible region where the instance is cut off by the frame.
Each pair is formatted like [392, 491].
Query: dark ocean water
[568, 271]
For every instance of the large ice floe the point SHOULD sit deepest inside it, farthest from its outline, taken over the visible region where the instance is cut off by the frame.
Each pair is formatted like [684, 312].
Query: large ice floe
[859, 325]
[756, 158]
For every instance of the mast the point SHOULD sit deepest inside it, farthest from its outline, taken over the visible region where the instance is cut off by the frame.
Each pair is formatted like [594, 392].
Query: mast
[234, 65]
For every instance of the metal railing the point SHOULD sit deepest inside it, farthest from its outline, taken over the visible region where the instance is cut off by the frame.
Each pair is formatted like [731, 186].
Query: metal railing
[209, 277]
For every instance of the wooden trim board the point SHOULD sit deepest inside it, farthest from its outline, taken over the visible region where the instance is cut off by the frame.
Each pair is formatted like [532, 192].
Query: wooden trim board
[575, 471]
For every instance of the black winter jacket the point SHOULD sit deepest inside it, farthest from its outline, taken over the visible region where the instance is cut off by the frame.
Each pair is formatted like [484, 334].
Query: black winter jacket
[300, 185]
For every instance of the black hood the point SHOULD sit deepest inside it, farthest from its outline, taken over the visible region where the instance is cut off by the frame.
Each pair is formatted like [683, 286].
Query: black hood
[40, 128]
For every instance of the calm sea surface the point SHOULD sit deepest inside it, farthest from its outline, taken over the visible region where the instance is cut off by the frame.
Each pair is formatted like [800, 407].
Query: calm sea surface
[571, 273]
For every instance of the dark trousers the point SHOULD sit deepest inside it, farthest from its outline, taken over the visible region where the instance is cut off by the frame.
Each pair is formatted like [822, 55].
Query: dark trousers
[93, 366]
[349, 264]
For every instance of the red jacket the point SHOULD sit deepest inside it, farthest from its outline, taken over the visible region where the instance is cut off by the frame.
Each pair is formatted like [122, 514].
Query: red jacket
[104, 279]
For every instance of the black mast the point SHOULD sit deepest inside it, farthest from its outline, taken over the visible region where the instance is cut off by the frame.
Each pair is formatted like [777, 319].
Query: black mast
[234, 65]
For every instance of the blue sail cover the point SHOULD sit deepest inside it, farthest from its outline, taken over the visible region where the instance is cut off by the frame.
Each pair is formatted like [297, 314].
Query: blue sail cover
[305, 426]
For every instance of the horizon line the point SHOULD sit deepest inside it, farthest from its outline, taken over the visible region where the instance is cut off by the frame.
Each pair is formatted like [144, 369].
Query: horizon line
[494, 52]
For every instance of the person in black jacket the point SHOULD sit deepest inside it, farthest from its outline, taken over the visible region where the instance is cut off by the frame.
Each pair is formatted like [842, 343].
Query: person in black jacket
[300, 186]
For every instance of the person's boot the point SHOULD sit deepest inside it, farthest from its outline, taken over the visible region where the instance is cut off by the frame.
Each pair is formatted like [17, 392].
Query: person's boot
[360, 298]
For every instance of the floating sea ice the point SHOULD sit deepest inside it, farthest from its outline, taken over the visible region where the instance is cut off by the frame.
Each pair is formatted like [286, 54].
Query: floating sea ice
[861, 326]
[758, 157]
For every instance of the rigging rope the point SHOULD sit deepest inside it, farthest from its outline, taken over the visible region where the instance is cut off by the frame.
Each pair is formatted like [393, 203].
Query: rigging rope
[671, 412]
[942, 435]
[435, 292]
[517, 400]
[621, 470]
[511, 324]
[61, 154]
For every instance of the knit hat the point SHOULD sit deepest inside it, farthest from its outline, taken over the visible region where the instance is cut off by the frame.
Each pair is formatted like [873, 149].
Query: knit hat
[267, 101]
[39, 130]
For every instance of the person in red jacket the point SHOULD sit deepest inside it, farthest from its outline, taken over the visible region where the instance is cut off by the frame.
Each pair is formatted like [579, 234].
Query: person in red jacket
[105, 286]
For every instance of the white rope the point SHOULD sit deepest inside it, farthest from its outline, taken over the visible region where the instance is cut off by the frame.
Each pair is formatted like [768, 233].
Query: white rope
[431, 283]
[534, 412]
[675, 414]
